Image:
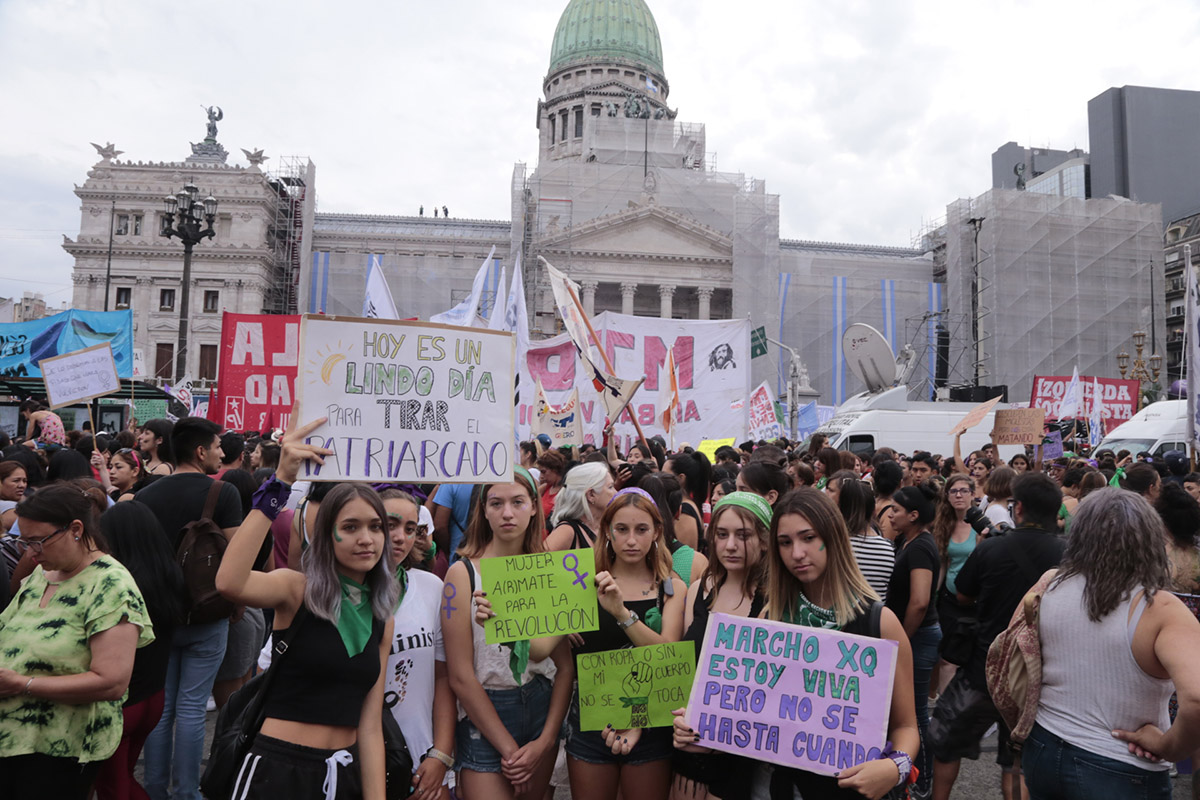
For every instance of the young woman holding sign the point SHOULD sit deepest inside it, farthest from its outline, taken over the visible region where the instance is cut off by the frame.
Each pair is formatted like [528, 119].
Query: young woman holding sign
[734, 583]
[813, 580]
[321, 737]
[510, 713]
[643, 605]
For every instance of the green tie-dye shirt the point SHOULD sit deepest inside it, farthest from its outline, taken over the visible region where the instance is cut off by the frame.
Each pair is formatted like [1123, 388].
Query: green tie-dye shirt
[54, 641]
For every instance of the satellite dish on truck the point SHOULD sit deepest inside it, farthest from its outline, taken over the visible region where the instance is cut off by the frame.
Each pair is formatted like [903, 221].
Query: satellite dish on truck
[870, 356]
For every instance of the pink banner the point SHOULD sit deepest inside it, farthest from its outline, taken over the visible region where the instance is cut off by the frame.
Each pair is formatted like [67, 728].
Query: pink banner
[1120, 397]
[802, 697]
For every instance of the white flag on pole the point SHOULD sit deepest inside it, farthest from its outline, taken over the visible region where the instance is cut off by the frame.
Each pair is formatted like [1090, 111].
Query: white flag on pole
[466, 312]
[1191, 335]
[496, 320]
[1070, 405]
[377, 302]
[1096, 421]
[668, 395]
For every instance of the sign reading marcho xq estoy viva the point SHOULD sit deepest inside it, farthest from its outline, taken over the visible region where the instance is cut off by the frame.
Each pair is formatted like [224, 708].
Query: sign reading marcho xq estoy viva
[407, 402]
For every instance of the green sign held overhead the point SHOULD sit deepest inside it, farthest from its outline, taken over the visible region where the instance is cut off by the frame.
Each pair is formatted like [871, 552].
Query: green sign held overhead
[758, 342]
[540, 594]
[636, 687]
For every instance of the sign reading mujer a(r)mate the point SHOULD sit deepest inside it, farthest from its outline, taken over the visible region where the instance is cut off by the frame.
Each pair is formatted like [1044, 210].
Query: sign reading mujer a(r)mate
[407, 402]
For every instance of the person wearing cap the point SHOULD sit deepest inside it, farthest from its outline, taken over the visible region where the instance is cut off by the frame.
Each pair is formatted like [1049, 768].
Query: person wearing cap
[1177, 466]
[735, 583]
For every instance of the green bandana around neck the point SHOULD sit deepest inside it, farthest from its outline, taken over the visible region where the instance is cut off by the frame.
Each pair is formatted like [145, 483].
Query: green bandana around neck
[808, 614]
[755, 504]
[355, 620]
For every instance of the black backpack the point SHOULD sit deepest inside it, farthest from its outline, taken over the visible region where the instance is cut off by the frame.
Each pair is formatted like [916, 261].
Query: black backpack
[201, 546]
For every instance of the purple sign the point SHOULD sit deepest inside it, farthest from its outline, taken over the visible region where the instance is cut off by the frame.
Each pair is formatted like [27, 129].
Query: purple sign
[802, 697]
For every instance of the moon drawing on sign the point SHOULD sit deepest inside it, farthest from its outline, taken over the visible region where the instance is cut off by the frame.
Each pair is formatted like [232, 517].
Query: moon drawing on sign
[327, 360]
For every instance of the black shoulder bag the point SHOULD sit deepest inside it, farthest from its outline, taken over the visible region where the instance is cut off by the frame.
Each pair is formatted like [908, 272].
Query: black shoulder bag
[240, 719]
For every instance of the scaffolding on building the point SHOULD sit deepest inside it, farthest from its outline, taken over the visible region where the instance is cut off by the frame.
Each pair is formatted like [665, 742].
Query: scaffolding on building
[289, 184]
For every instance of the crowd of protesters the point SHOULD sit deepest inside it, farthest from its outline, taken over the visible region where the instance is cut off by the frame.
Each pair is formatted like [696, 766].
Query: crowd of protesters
[933, 551]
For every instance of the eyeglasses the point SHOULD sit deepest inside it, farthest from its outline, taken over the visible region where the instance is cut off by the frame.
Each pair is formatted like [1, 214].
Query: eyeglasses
[36, 545]
[961, 490]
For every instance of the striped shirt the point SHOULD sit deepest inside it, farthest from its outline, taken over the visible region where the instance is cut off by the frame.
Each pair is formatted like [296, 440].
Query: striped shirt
[875, 556]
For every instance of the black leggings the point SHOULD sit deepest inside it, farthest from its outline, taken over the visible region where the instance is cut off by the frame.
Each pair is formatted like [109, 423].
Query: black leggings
[38, 777]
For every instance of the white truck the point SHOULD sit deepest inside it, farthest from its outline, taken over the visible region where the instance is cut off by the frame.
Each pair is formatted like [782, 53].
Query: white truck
[1156, 429]
[871, 420]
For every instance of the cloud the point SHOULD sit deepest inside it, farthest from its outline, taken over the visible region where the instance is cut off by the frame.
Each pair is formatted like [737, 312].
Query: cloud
[867, 118]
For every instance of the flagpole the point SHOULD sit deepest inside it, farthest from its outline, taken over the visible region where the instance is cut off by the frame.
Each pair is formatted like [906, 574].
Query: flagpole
[607, 364]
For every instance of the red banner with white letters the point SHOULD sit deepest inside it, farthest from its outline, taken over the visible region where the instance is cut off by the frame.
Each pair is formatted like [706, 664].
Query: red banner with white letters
[1120, 397]
[256, 383]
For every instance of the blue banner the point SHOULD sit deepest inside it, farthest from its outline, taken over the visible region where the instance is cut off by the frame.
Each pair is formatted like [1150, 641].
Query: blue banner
[24, 344]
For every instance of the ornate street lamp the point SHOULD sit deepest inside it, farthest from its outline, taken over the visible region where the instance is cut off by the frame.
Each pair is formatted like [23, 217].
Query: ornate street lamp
[1142, 371]
[192, 211]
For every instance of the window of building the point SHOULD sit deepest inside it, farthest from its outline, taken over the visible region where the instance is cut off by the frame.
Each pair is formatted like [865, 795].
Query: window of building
[1176, 311]
[137, 224]
[162, 223]
[562, 134]
[164, 360]
[595, 109]
[212, 301]
[579, 123]
[122, 225]
[208, 362]
[551, 129]
[124, 293]
[166, 300]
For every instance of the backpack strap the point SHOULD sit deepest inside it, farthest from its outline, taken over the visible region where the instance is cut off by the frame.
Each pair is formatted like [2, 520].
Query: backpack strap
[470, 573]
[210, 502]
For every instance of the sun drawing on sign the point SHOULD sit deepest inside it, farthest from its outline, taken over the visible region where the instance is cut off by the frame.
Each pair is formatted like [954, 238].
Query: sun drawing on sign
[327, 359]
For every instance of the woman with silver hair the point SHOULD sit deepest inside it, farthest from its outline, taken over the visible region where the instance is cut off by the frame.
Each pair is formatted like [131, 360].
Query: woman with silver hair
[1115, 645]
[586, 492]
[321, 736]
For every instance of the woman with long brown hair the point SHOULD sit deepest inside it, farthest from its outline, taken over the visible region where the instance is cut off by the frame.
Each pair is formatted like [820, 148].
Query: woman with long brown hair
[813, 580]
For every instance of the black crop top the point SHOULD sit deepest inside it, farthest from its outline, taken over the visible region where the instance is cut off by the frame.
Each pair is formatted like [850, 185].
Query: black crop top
[319, 682]
[700, 612]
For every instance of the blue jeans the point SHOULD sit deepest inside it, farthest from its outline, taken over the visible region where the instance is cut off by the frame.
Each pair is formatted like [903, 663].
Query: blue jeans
[1057, 770]
[925, 657]
[175, 748]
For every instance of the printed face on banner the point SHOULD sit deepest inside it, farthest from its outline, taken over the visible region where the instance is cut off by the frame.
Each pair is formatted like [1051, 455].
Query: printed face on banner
[711, 360]
[635, 687]
[407, 402]
[540, 594]
[802, 697]
[257, 377]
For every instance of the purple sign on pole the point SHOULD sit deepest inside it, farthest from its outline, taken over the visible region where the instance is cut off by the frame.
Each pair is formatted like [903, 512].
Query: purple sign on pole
[802, 697]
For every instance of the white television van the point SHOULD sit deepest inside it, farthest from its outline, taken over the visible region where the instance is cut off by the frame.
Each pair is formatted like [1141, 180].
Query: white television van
[1156, 429]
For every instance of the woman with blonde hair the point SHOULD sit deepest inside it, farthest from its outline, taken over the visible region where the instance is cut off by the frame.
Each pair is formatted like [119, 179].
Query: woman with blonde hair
[814, 581]
[586, 492]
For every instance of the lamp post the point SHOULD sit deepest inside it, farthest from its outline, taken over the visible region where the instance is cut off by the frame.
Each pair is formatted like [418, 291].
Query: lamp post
[1144, 370]
[191, 212]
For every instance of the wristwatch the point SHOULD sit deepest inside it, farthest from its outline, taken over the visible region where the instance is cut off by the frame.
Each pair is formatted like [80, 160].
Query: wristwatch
[633, 617]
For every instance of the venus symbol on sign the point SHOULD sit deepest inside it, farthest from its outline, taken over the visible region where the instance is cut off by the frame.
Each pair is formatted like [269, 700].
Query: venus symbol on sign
[574, 567]
[449, 593]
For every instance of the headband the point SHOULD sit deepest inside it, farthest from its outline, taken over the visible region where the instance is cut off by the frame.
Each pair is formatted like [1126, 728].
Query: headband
[526, 474]
[634, 490]
[750, 501]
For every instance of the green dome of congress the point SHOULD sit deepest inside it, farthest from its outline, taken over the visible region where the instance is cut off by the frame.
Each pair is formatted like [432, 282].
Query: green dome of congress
[605, 30]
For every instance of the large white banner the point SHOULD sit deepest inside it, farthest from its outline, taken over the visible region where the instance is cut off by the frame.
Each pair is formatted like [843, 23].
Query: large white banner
[712, 361]
[407, 402]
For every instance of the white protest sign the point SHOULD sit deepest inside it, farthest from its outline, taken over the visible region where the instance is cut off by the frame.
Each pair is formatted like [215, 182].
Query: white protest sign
[82, 375]
[407, 402]
[763, 422]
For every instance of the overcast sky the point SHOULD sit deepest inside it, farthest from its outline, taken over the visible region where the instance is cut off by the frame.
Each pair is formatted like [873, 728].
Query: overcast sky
[866, 117]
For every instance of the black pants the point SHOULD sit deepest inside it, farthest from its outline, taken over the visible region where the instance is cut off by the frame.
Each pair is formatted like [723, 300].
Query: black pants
[39, 777]
[279, 770]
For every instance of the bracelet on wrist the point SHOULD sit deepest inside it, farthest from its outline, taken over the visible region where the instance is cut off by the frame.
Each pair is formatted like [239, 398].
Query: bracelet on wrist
[271, 497]
[904, 764]
[446, 759]
[27, 685]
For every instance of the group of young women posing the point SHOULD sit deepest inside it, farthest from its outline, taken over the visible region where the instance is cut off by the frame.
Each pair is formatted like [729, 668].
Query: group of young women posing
[376, 638]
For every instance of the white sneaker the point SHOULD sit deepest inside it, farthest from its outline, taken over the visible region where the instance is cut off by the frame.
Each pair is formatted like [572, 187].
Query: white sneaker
[211, 705]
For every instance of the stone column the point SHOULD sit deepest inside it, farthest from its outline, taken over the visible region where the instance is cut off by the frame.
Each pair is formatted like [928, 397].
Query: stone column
[666, 293]
[589, 296]
[628, 290]
[705, 293]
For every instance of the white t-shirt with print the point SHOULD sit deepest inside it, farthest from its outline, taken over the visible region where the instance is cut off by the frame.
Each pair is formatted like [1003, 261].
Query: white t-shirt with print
[417, 644]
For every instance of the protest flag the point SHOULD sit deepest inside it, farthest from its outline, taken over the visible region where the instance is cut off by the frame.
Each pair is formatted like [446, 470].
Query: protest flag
[465, 313]
[807, 420]
[614, 392]
[1096, 421]
[1070, 404]
[1191, 349]
[377, 301]
[496, 318]
[668, 397]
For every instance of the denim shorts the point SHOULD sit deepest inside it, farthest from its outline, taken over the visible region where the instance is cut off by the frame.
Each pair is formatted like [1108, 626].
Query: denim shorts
[523, 712]
[589, 746]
